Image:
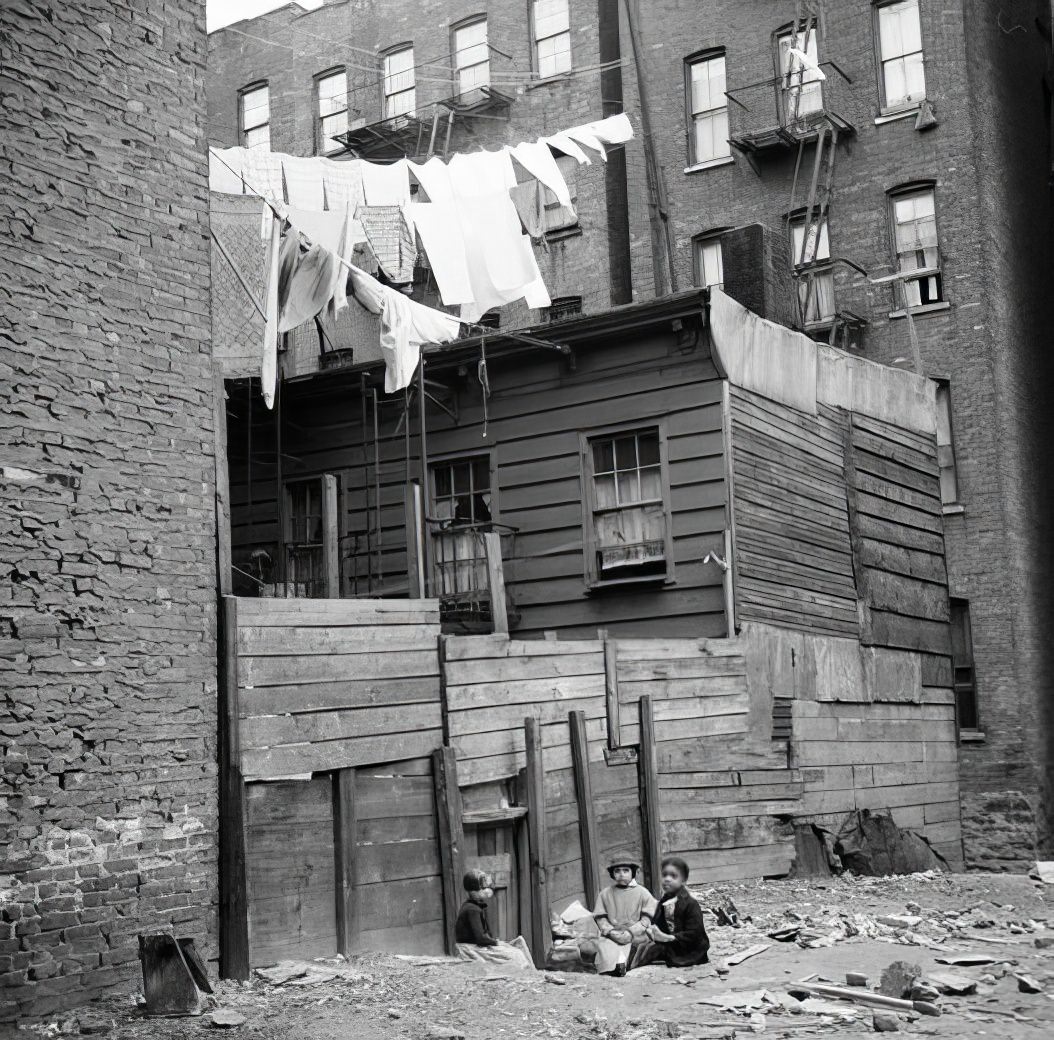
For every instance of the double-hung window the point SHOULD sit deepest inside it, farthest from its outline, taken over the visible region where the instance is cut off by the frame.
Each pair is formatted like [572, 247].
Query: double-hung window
[811, 257]
[707, 109]
[902, 72]
[708, 261]
[471, 55]
[331, 90]
[915, 240]
[400, 83]
[801, 88]
[627, 529]
[551, 26]
[461, 514]
[255, 115]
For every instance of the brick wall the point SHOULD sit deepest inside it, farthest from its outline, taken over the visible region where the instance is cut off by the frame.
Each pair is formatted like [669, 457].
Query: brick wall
[107, 617]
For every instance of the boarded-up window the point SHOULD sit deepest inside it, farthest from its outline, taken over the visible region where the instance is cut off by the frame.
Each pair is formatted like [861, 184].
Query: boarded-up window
[962, 665]
[628, 536]
[461, 514]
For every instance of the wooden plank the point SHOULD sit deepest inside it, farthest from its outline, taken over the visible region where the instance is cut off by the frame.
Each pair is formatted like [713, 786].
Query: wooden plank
[234, 907]
[648, 783]
[697, 665]
[524, 873]
[611, 693]
[523, 692]
[273, 641]
[451, 837]
[310, 697]
[330, 537]
[587, 824]
[224, 574]
[471, 648]
[415, 556]
[907, 596]
[308, 727]
[261, 611]
[281, 671]
[924, 444]
[496, 582]
[507, 717]
[909, 633]
[467, 673]
[540, 928]
[345, 826]
[886, 530]
[729, 832]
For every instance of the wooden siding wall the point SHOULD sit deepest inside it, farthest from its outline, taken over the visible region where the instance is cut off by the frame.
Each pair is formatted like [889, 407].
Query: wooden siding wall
[536, 411]
[330, 684]
[794, 558]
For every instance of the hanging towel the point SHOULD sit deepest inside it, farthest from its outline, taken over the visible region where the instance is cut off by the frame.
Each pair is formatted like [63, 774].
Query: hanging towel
[439, 228]
[263, 174]
[303, 183]
[481, 173]
[269, 361]
[307, 281]
[613, 130]
[405, 326]
[585, 136]
[434, 177]
[538, 161]
[391, 239]
[329, 228]
[342, 180]
[568, 147]
[386, 185]
[225, 170]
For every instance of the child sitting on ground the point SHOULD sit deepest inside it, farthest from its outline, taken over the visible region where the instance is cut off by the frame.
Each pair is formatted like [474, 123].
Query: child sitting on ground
[623, 913]
[472, 930]
[678, 937]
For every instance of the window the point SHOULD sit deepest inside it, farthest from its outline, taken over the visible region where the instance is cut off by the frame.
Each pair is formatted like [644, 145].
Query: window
[551, 24]
[801, 89]
[903, 76]
[962, 665]
[471, 56]
[945, 445]
[815, 275]
[400, 93]
[332, 93]
[461, 511]
[915, 239]
[256, 117]
[709, 262]
[564, 307]
[707, 109]
[628, 533]
[303, 538]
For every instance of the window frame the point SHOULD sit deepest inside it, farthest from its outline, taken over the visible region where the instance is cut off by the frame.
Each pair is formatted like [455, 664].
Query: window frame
[962, 605]
[289, 544]
[699, 58]
[820, 266]
[320, 138]
[886, 108]
[786, 31]
[386, 56]
[702, 239]
[243, 93]
[536, 64]
[944, 390]
[593, 581]
[468, 23]
[899, 287]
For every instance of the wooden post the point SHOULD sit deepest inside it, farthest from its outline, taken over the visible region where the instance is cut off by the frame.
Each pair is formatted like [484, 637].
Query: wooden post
[648, 782]
[223, 482]
[541, 930]
[414, 553]
[234, 907]
[345, 829]
[330, 537]
[611, 693]
[451, 836]
[496, 582]
[587, 822]
[523, 864]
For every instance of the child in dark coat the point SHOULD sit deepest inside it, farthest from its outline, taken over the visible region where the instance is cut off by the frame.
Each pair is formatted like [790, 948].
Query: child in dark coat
[678, 937]
[472, 929]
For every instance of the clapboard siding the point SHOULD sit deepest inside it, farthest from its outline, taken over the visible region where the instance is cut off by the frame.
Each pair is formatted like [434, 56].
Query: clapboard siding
[535, 413]
[794, 556]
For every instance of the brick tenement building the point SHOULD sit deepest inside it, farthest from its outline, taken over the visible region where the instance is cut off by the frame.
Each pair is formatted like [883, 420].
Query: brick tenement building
[964, 198]
[108, 822]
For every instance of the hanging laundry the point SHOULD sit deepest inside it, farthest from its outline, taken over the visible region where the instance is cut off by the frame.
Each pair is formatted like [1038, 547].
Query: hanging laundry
[262, 171]
[612, 130]
[568, 147]
[306, 283]
[529, 200]
[391, 239]
[481, 173]
[434, 177]
[342, 180]
[225, 170]
[269, 361]
[439, 229]
[386, 185]
[589, 139]
[339, 233]
[537, 159]
[405, 327]
[303, 183]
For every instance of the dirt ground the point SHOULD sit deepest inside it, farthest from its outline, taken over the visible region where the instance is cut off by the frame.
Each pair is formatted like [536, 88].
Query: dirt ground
[381, 997]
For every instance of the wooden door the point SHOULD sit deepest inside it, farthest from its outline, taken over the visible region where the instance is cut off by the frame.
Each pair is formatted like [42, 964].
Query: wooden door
[492, 849]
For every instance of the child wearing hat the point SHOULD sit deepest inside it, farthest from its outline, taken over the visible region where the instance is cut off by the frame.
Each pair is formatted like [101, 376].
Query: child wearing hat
[678, 937]
[624, 912]
[472, 930]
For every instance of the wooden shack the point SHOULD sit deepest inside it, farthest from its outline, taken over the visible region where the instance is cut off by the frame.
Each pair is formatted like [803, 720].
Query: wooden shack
[667, 579]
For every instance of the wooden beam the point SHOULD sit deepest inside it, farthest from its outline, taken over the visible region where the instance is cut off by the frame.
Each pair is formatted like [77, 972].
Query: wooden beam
[345, 828]
[587, 822]
[414, 550]
[648, 781]
[451, 836]
[523, 864]
[234, 907]
[611, 692]
[330, 537]
[444, 703]
[496, 582]
[223, 483]
[541, 930]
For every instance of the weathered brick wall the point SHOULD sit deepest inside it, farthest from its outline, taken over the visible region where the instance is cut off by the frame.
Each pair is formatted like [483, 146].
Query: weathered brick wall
[107, 547]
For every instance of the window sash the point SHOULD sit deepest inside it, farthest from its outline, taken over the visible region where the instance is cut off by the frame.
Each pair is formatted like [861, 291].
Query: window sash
[900, 53]
[822, 245]
[708, 108]
[460, 553]
[709, 263]
[551, 26]
[400, 83]
[472, 56]
[255, 107]
[917, 247]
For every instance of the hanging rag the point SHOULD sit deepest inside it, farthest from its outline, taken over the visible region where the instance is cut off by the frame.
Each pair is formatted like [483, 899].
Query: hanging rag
[405, 327]
[262, 171]
[585, 136]
[391, 239]
[306, 283]
[269, 361]
[481, 173]
[537, 159]
[612, 130]
[434, 177]
[529, 200]
[339, 233]
[342, 179]
[386, 185]
[225, 170]
[303, 183]
[439, 229]
[564, 143]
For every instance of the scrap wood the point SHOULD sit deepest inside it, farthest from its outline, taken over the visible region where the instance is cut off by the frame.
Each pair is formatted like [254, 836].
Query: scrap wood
[965, 960]
[864, 996]
[746, 1000]
[303, 973]
[751, 951]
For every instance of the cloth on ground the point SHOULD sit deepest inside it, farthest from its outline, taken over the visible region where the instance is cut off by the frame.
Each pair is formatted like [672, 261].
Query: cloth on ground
[392, 240]
[225, 170]
[343, 183]
[405, 326]
[434, 177]
[438, 226]
[537, 159]
[628, 909]
[303, 183]
[513, 954]
[386, 185]
[263, 173]
[269, 361]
